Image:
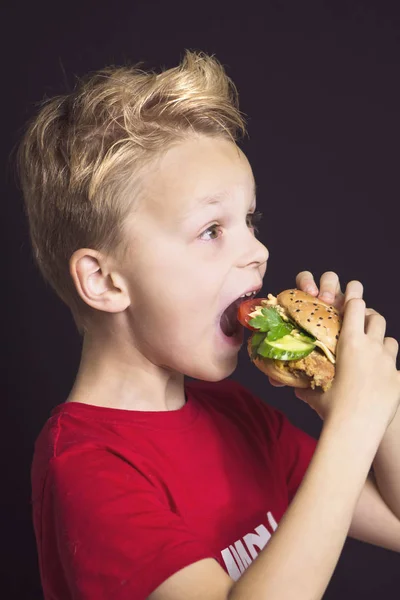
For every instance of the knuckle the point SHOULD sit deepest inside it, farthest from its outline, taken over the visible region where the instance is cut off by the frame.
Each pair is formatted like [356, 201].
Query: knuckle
[357, 302]
[350, 344]
[377, 317]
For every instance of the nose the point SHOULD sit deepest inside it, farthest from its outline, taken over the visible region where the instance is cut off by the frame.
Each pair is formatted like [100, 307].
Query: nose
[254, 253]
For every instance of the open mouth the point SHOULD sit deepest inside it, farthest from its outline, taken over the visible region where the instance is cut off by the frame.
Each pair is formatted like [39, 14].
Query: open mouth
[229, 322]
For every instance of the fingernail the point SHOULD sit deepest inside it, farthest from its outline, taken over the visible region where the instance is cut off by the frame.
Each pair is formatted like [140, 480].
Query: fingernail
[311, 289]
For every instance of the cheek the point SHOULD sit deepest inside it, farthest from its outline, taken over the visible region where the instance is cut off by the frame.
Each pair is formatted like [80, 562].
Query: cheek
[174, 288]
[185, 285]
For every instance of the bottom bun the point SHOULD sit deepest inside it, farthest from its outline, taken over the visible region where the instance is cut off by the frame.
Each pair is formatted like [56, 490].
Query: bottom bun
[277, 370]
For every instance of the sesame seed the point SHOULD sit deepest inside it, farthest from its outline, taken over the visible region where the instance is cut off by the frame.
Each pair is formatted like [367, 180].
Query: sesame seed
[318, 324]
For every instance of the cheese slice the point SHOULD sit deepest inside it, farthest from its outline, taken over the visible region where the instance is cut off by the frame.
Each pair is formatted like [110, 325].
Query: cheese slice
[326, 351]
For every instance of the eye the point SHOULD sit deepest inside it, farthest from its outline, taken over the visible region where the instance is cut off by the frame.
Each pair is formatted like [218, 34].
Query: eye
[211, 233]
[253, 219]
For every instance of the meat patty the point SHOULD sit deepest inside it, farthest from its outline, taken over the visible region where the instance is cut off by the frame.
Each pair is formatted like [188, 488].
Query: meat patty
[316, 365]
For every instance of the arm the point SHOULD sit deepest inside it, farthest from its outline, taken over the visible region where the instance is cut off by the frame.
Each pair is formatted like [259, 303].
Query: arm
[373, 522]
[299, 559]
[377, 515]
[386, 467]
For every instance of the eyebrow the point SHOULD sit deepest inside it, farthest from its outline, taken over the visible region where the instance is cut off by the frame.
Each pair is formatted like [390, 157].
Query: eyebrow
[216, 198]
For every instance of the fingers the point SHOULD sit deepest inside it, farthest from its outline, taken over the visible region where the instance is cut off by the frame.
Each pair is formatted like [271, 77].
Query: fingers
[357, 317]
[392, 347]
[354, 310]
[305, 282]
[375, 325]
[354, 289]
[330, 290]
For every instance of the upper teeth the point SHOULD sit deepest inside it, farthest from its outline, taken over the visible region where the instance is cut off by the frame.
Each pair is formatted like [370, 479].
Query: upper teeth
[248, 294]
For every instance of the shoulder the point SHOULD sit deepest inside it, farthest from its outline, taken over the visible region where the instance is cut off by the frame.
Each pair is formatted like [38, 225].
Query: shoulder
[71, 450]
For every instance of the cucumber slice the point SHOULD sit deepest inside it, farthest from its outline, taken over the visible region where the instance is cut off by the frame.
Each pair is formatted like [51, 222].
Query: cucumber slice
[256, 340]
[286, 348]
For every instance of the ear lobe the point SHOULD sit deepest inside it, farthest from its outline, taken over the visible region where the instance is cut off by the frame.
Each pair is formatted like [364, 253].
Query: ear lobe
[96, 286]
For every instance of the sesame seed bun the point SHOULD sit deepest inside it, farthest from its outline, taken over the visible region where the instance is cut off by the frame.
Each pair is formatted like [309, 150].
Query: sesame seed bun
[313, 315]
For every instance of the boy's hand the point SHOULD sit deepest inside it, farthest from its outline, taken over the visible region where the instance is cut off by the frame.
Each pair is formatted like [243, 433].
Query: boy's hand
[329, 288]
[364, 354]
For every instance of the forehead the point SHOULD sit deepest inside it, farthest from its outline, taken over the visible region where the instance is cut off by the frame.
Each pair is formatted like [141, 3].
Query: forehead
[195, 172]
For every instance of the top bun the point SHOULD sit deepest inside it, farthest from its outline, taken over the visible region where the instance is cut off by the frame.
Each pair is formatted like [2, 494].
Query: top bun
[313, 315]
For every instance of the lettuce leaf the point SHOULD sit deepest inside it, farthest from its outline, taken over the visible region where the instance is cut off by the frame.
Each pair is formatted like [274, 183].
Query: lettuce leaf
[271, 323]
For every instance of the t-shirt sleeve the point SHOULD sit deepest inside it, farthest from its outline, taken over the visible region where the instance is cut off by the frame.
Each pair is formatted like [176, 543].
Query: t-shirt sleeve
[115, 533]
[295, 446]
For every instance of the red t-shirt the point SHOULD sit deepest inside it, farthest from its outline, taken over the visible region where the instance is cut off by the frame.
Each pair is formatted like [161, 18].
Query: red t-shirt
[123, 499]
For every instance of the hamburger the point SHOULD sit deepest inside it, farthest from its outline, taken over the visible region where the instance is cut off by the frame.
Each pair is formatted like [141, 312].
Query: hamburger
[294, 338]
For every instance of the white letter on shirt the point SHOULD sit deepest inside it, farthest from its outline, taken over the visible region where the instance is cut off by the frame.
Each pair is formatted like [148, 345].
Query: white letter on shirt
[231, 566]
[259, 540]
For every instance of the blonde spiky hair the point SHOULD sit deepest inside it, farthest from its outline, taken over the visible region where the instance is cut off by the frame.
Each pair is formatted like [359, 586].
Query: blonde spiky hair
[83, 149]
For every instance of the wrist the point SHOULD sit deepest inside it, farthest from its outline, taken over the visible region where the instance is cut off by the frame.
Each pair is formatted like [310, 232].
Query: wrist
[358, 429]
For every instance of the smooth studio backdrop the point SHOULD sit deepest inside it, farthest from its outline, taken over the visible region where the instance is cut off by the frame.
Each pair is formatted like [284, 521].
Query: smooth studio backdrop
[319, 82]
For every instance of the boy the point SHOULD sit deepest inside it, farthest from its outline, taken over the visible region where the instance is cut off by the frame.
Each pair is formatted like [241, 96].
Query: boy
[141, 211]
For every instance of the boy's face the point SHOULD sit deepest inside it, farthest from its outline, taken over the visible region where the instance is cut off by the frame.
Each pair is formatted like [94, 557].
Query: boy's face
[192, 253]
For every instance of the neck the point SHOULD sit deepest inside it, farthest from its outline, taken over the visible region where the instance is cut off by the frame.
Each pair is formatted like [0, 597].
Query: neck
[116, 375]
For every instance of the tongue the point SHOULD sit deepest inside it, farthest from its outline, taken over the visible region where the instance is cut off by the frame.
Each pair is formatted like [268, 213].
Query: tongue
[229, 322]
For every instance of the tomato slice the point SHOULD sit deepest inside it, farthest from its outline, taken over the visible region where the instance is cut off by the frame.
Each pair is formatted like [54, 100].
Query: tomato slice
[244, 310]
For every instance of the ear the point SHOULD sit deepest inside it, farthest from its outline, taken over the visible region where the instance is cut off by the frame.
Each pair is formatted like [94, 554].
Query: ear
[100, 286]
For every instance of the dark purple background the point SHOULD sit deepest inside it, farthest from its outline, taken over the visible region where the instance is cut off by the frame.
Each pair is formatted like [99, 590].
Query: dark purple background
[320, 83]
